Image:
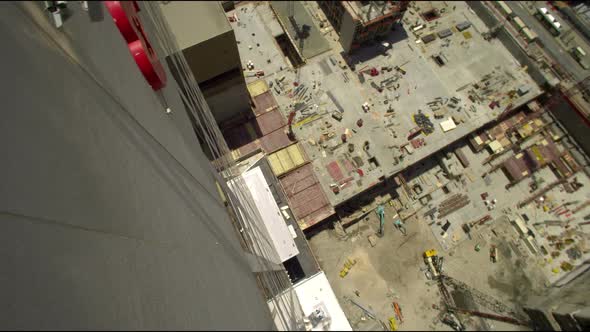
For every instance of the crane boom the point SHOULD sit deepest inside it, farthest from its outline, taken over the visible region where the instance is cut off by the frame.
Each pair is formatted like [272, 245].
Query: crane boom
[500, 318]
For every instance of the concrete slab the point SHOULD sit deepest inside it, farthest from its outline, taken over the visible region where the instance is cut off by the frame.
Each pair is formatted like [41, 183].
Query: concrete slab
[255, 41]
[330, 86]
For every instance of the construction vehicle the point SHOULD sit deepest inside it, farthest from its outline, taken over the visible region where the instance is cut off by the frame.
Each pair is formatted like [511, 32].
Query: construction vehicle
[347, 266]
[451, 320]
[392, 324]
[431, 259]
[493, 254]
[290, 132]
[337, 115]
[371, 71]
[381, 213]
[399, 224]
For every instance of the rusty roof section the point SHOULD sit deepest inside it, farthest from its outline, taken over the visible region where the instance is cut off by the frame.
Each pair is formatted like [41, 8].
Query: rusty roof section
[306, 197]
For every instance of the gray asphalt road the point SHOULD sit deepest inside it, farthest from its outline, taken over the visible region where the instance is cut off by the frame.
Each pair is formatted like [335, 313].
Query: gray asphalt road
[552, 47]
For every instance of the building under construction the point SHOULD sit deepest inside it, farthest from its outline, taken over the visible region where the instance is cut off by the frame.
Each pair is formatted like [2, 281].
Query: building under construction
[359, 22]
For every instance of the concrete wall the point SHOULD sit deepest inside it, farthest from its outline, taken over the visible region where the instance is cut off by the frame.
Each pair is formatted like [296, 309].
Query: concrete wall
[575, 21]
[347, 31]
[567, 307]
[214, 60]
[214, 56]
[572, 122]
[109, 216]
[228, 97]
[211, 53]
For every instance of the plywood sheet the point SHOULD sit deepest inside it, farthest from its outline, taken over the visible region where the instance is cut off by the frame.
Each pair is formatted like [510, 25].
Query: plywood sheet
[257, 88]
[286, 159]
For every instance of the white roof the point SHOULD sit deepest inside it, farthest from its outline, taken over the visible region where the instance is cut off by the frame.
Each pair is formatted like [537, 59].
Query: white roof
[448, 124]
[551, 18]
[543, 10]
[317, 291]
[269, 211]
[496, 146]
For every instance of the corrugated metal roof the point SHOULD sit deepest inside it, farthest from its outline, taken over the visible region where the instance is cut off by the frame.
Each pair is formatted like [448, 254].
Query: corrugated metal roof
[270, 121]
[264, 102]
[306, 197]
[275, 141]
[286, 159]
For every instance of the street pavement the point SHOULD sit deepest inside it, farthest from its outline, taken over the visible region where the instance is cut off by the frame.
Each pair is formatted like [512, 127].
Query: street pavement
[550, 44]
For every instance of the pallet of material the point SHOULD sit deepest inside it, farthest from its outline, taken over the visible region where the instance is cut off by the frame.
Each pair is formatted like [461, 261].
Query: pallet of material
[463, 25]
[428, 38]
[444, 33]
[452, 204]
[461, 204]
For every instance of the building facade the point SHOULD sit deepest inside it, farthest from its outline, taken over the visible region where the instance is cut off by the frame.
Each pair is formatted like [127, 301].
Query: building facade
[110, 215]
[208, 43]
[361, 22]
[564, 308]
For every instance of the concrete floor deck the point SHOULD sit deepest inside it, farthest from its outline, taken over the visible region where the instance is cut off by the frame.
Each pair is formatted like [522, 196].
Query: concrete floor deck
[390, 270]
[337, 87]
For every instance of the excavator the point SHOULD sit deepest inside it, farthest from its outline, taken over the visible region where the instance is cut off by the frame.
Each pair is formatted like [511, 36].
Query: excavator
[399, 224]
[381, 213]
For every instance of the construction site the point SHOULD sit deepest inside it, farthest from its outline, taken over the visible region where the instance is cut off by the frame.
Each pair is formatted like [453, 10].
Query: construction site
[435, 188]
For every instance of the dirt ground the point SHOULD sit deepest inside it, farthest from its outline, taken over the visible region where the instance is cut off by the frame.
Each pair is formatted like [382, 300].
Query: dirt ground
[391, 271]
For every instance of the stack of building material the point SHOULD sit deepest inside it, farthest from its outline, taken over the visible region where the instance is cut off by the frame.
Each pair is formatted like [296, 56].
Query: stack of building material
[444, 33]
[424, 122]
[463, 25]
[452, 204]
